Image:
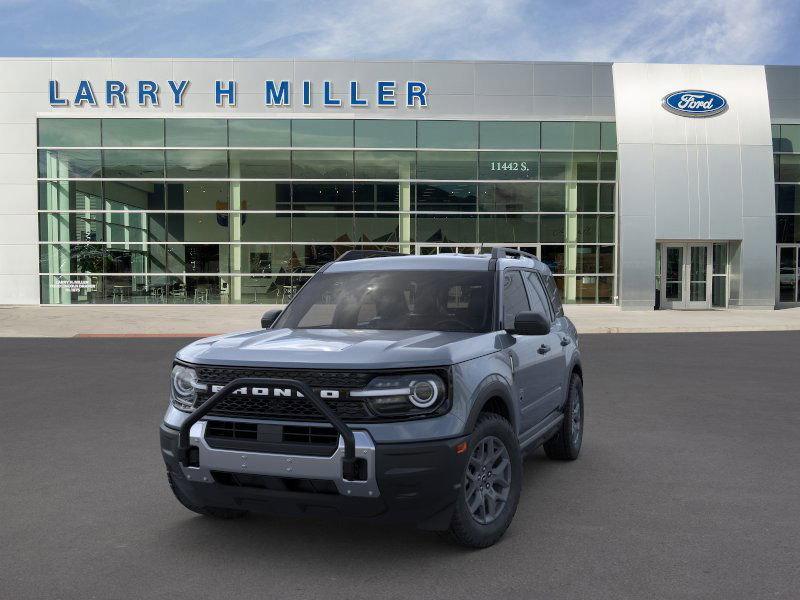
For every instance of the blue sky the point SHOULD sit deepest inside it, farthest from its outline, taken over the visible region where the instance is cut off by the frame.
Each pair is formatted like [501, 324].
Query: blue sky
[690, 31]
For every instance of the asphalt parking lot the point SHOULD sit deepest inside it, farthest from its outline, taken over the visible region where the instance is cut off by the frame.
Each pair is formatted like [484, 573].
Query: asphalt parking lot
[688, 487]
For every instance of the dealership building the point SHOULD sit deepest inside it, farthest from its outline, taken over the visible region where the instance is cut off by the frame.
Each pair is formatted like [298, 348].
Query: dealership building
[150, 181]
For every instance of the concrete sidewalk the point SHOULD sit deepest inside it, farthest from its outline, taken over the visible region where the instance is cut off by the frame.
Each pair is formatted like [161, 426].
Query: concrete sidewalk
[198, 321]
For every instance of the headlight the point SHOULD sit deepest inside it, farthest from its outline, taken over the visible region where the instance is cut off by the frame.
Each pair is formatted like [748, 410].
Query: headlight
[404, 395]
[184, 388]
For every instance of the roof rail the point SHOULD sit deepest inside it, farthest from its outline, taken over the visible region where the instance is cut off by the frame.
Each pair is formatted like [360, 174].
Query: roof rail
[500, 252]
[359, 254]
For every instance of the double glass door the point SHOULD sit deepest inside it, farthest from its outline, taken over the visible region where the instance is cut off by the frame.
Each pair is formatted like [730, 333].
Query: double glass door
[686, 276]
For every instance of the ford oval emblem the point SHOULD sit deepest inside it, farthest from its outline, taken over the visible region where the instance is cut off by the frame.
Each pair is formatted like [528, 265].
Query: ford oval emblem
[695, 103]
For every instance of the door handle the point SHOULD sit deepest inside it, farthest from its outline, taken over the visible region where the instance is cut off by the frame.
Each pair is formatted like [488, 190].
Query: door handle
[565, 341]
[543, 349]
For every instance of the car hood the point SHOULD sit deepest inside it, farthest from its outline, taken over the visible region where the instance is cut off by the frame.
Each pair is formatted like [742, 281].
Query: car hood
[339, 348]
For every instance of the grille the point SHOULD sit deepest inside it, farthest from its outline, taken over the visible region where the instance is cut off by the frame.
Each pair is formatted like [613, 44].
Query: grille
[299, 409]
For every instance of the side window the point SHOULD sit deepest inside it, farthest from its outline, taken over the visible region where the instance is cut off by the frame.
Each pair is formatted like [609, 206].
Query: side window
[515, 298]
[552, 292]
[537, 295]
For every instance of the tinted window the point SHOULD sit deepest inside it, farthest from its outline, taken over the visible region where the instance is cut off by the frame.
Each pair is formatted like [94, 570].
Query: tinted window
[69, 132]
[133, 132]
[447, 134]
[385, 134]
[256, 133]
[397, 300]
[552, 292]
[538, 296]
[322, 133]
[196, 132]
[515, 298]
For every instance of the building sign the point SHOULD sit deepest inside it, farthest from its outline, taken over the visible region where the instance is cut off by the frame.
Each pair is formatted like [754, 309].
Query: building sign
[144, 93]
[695, 103]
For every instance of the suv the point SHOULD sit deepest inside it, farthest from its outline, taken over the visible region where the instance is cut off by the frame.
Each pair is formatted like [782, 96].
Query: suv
[392, 387]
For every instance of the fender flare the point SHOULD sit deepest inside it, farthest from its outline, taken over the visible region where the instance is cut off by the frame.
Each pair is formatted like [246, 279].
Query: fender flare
[492, 387]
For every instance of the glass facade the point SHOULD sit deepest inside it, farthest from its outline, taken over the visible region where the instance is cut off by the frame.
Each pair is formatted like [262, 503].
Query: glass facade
[245, 210]
[786, 149]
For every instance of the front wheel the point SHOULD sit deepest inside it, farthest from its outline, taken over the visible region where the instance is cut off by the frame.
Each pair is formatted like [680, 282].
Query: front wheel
[491, 484]
[566, 443]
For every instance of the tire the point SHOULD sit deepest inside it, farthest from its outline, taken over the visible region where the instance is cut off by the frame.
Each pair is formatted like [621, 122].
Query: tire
[206, 511]
[471, 528]
[566, 443]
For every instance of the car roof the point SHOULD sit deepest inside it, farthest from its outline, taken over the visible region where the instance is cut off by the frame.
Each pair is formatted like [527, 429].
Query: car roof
[433, 262]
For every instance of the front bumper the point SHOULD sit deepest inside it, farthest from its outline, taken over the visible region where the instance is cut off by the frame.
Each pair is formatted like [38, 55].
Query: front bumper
[404, 482]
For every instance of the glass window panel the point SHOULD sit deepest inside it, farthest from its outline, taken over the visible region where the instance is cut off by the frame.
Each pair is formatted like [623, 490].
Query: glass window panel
[322, 227]
[447, 165]
[718, 292]
[585, 166]
[720, 259]
[77, 227]
[587, 197]
[385, 133]
[552, 228]
[608, 166]
[446, 228]
[61, 164]
[789, 170]
[198, 227]
[147, 164]
[198, 195]
[447, 134]
[133, 132]
[608, 136]
[309, 257]
[127, 228]
[587, 229]
[198, 258]
[196, 132]
[69, 132]
[259, 133]
[586, 259]
[197, 163]
[776, 138]
[461, 197]
[259, 258]
[553, 197]
[515, 298]
[556, 165]
[788, 229]
[270, 289]
[508, 228]
[790, 138]
[508, 165]
[316, 196]
[606, 197]
[605, 290]
[261, 195]
[508, 197]
[585, 289]
[378, 227]
[385, 165]
[605, 263]
[322, 133]
[605, 229]
[788, 288]
[260, 164]
[71, 258]
[788, 261]
[553, 257]
[509, 134]
[787, 198]
[265, 227]
[70, 195]
[317, 164]
[558, 135]
[133, 195]
[382, 196]
[587, 136]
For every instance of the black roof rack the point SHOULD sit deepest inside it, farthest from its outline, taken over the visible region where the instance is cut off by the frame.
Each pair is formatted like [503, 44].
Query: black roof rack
[359, 254]
[500, 252]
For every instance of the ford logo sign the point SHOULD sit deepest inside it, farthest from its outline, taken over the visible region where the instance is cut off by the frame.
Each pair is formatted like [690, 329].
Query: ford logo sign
[695, 103]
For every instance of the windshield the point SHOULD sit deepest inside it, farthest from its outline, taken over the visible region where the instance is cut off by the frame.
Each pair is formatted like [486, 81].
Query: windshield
[425, 300]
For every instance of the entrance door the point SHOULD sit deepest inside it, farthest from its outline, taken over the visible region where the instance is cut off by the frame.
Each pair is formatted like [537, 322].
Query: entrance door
[686, 276]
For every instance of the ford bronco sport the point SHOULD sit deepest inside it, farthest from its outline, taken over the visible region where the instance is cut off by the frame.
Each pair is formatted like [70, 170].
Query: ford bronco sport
[391, 387]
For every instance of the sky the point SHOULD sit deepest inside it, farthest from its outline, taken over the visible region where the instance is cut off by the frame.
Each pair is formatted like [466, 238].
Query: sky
[679, 31]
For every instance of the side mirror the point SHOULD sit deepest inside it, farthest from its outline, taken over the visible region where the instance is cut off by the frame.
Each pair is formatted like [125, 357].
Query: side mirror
[531, 323]
[269, 317]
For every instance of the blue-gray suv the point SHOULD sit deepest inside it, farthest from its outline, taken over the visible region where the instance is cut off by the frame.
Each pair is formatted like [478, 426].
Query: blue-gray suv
[392, 387]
